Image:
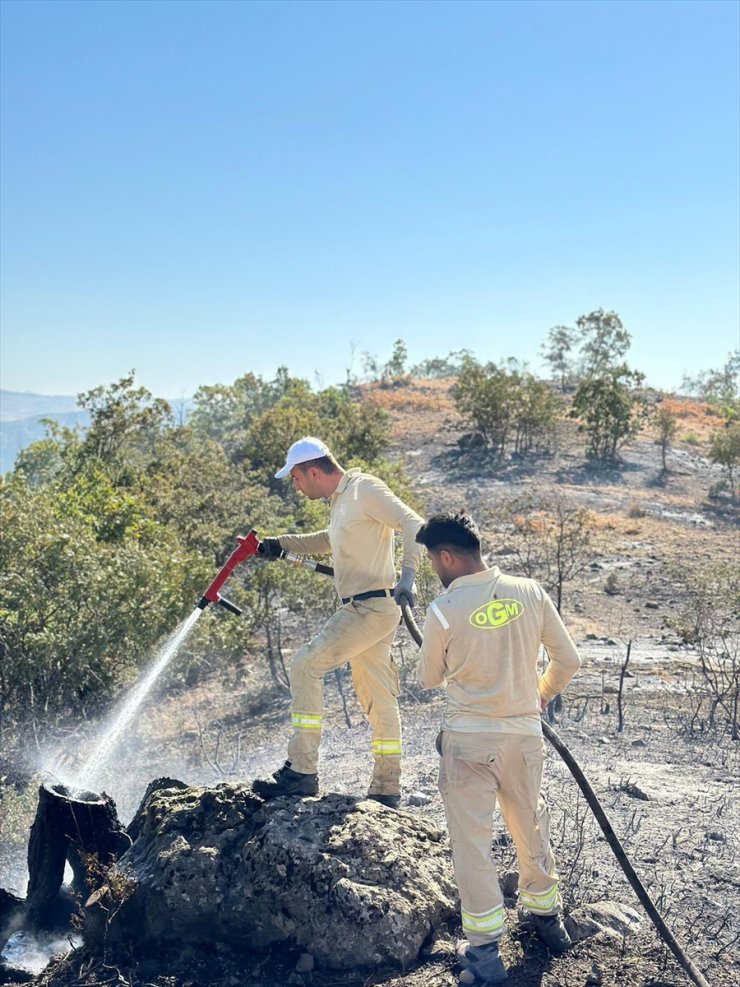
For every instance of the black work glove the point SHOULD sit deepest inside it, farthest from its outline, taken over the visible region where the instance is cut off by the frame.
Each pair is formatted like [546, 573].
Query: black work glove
[270, 548]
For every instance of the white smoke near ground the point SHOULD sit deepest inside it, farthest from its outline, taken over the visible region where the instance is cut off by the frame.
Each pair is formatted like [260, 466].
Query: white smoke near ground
[31, 951]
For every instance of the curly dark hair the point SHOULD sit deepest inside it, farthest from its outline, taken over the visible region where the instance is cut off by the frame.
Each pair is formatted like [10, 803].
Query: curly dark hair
[456, 532]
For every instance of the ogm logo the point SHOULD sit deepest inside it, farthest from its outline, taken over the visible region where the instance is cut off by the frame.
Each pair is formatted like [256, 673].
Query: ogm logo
[496, 614]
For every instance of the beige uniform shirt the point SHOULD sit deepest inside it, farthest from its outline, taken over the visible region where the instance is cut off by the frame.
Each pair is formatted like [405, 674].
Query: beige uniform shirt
[364, 514]
[483, 637]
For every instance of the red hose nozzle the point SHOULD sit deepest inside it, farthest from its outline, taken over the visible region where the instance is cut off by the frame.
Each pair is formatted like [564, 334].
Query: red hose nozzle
[248, 545]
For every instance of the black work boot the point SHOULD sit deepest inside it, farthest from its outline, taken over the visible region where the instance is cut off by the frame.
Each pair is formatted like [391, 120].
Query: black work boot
[552, 932]
[392, 801]
[286, 781]
[481, 964]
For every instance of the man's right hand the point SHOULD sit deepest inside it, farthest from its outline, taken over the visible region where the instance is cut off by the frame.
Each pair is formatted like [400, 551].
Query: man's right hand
[270, 549]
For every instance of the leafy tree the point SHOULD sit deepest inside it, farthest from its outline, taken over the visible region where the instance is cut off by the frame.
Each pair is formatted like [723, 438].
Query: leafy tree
[483, 396]
[113, 536]
[395, 369]
[596, 344]
[77, 614]
[194, 489]
[608, 410]
[507, 406]
[270, 435]
[603, 342]
[350, 428]
[50, 457]
[719, 387]
[559, 352]
[666, 425]
[535, 411]
[725, 450]
[439, 368]
[392, 372]
[124, 420]
[225, 412]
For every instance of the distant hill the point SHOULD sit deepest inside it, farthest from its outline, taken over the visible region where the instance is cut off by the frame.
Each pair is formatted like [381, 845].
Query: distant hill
[21, 417]
[16, 405]
[16, 435]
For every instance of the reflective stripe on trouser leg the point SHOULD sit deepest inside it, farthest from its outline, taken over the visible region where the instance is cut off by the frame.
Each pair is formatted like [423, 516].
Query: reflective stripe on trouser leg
[375, 678]
[306, 721]
[347, 633]
[389, 748]
[545, 903]
[468, 789]
[303, 749]
[528, 820]
[490, 923]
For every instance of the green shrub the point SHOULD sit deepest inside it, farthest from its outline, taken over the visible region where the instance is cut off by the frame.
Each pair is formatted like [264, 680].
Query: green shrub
[609, 411]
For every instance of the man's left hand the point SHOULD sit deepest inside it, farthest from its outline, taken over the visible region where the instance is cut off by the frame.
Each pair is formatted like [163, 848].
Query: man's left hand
[405, 587]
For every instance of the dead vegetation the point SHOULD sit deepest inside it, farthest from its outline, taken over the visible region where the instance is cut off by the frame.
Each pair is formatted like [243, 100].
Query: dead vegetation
[667, 778]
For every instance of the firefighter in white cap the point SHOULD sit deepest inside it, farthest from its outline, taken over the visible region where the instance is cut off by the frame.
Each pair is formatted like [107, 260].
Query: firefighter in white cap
[364, 514]
[482, 638]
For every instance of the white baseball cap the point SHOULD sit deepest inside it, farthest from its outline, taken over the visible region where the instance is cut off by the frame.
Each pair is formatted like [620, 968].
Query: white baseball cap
[302, 451]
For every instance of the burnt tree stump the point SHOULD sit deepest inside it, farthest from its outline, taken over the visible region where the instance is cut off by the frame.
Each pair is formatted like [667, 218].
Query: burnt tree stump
[70, 825]
[12, 910]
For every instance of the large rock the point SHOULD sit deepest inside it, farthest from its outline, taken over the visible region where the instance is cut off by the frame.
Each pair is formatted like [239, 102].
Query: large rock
[351, 881]
[604, 916]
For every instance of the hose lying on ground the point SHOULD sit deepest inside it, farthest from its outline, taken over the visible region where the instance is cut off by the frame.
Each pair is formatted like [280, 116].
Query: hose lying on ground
[611, 837]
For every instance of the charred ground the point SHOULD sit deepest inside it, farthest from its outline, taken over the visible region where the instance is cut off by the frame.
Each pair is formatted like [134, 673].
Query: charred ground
[668, 780]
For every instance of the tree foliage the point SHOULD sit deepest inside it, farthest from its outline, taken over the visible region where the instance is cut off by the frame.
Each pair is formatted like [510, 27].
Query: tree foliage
[394, 371]
[609, 411]
[666, 426]
[507, 406]
[595, 345]
[720, 387]
[725, 450]
[439, 368]
[111, 537]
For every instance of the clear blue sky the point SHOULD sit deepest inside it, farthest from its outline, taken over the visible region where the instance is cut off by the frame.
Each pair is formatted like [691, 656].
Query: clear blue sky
[201, 189]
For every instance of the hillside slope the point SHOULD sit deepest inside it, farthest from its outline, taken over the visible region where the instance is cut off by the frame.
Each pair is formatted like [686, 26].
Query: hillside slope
[666, 779]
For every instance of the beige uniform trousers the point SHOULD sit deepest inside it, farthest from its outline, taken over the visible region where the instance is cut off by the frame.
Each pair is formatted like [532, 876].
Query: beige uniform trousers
[478, 770]
[360, 632]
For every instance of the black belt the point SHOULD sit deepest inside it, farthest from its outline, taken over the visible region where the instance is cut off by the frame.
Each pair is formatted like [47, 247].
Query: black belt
[371, 594]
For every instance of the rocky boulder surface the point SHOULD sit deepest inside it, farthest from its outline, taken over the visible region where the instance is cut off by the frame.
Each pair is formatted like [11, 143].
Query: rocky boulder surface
[349, 880]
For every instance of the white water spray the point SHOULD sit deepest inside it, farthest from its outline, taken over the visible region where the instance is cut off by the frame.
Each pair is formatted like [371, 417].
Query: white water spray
[88, 776]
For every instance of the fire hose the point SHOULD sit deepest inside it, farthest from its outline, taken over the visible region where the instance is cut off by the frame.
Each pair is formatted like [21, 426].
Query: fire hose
[249, 545]
[612, 839]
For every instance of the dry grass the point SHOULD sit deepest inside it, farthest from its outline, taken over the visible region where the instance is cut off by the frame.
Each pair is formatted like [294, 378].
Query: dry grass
[419, 409]
[426, 396]
[695, 418]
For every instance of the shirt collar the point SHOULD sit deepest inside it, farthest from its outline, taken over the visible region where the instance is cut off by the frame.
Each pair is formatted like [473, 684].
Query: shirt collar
[345, 481]
[475, 578]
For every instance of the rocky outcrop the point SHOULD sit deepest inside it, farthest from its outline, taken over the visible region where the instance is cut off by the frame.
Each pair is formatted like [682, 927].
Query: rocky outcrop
[351, 881]
[604, 916]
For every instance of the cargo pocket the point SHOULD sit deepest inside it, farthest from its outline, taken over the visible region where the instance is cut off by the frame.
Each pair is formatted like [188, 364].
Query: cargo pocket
[463, 763]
